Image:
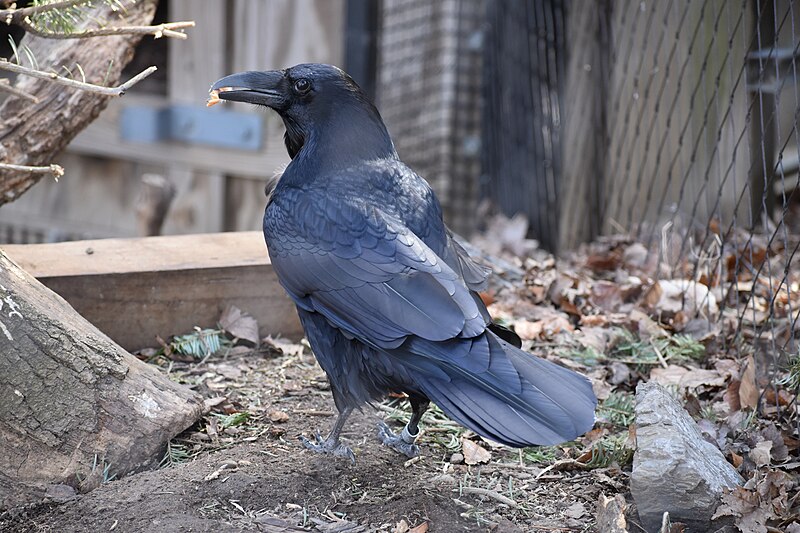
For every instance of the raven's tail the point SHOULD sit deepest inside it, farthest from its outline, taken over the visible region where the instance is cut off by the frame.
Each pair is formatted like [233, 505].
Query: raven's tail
[518, 400]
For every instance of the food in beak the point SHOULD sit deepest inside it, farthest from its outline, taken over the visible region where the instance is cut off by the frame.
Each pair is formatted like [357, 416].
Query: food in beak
[213, 96]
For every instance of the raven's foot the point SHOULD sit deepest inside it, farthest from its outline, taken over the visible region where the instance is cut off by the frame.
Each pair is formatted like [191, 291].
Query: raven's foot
[329, 445]
[404, 443]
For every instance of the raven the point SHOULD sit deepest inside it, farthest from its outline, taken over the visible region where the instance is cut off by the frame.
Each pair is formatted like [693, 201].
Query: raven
[387, 298]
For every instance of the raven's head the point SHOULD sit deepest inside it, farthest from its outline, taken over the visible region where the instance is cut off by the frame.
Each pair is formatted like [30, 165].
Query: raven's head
[321, 106]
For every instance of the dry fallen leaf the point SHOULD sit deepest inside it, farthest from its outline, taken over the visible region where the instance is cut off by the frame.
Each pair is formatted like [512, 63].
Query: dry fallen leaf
[748, 390]
[760, 454]
[400, 527]
[239, 324]
[473, 453]
[576, 510]
[284, 346]
[278, 416]
[736, 459]
[421, 528]
[670, 296]
[687, 378]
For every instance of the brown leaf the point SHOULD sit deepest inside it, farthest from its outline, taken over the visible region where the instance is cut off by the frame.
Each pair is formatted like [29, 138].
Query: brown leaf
[748, 389]
[782, 398]
[736, 459]
[604, 261]
[284, 346]
[473, 453]
[278, 416]
[731, 396]
[606, 295]
[779, 450]
[400, 527]
[687, 378]
[239, 324]
[422, 528]
[594, 320]
[670, 296]
[760, 453]
[568, 306]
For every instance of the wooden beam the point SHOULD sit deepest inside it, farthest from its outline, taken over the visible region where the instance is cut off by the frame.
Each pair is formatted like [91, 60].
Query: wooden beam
[135, 289]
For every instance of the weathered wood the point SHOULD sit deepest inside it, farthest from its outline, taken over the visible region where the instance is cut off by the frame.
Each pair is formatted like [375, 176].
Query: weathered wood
[102, 139]
[611, 514]
[194, 65]
[33, 133]
[75, 408]
[155, 197]
[135, 289]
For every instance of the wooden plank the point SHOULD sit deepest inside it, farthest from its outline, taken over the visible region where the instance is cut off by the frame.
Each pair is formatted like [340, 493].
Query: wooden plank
[135, 289]
[194, 64]
[102, 138]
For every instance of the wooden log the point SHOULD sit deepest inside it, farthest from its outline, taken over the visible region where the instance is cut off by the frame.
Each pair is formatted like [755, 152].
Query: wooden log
[75, 408]
[135, 289]
[33, 133]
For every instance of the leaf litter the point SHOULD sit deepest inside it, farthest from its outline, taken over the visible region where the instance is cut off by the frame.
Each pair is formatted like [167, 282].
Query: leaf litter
[606, 310]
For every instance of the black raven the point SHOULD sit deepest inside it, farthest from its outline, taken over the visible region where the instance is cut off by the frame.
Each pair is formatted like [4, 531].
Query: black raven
[387, 298]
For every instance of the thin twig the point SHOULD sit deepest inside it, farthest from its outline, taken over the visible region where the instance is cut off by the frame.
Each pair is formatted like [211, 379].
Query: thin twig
[660, 356]
[6, 86]
[491, 494]
[13, 15]
[160, 30]
[56, 170]
[89, 87]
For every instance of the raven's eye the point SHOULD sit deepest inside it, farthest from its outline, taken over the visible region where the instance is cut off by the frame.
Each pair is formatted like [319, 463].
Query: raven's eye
[302, 86]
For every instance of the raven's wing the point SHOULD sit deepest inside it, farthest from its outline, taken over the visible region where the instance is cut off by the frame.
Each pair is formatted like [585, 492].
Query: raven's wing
[475, 276]
[366, 272]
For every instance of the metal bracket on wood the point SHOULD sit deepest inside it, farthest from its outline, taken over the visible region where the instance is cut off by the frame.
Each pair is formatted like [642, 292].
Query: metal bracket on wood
[192, 125]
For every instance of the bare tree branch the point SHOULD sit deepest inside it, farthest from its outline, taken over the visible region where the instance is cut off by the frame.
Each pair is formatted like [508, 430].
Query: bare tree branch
[160, 30]
[12, 15]
[22, 18]
[56, 170]
[6, 86]
[69, 82]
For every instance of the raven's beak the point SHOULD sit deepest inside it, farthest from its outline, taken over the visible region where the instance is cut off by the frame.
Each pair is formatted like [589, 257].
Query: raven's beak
[253, 87]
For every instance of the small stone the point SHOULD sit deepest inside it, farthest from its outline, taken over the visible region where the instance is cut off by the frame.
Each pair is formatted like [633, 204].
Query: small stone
[576, 510]
[59, 493]
[674, 468]
[457, 458]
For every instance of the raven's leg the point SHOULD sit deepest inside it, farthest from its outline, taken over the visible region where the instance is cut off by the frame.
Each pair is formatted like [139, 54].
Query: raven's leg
[405, 442]
[331, 444]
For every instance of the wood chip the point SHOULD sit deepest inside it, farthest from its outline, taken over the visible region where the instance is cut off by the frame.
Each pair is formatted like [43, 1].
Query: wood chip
[611, 514]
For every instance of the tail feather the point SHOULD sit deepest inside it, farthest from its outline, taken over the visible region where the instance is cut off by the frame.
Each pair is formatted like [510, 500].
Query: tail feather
[554, 404]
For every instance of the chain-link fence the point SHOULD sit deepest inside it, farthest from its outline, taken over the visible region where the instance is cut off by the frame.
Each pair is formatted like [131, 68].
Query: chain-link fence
[674, 123]
[692, 141]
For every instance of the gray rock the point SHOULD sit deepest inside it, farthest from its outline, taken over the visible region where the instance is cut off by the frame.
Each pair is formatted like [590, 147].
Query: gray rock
[60, 493]
[674, 468]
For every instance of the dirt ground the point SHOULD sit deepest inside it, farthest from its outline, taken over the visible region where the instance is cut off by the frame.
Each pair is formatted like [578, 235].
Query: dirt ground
[612, 311]
[256, 476]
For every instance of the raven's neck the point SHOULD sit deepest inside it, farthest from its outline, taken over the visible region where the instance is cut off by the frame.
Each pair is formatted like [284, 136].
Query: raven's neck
[347, 136]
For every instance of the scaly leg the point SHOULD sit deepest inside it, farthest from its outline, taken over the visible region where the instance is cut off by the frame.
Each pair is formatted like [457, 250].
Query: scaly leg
[331, 444]
[404, 443]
